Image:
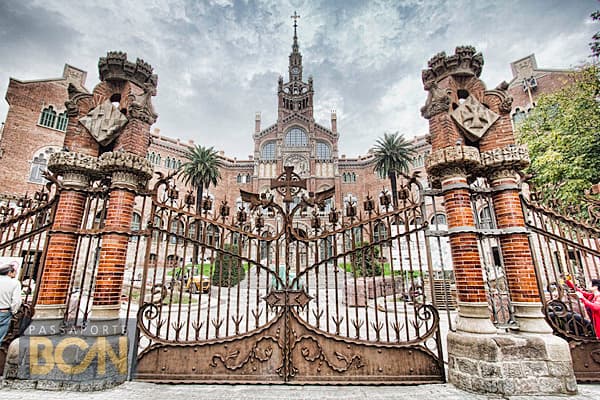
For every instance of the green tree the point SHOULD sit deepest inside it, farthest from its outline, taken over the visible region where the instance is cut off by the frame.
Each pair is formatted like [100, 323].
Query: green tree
[392, 156]
[366, 260]
[201, 170]
[228, 270]
[563, 136]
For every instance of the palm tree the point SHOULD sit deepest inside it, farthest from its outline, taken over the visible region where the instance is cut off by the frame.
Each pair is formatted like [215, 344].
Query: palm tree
[392, 155]
[200, 171]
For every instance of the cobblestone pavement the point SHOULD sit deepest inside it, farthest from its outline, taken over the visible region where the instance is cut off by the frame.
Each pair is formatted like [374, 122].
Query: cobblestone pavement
[149, 391]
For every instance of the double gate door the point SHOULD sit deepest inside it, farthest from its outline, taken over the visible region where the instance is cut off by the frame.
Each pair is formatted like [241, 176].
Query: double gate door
[286, 292]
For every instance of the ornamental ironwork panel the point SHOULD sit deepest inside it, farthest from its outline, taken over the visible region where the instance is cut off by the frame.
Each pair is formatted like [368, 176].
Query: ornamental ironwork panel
[283, 287]
[25, 223]
[565, 247]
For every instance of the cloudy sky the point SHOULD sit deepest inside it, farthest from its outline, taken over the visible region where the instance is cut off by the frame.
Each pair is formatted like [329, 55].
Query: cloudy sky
[218, 61]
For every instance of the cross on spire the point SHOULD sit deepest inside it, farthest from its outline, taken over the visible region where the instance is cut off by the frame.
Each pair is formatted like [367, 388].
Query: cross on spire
[295, 17]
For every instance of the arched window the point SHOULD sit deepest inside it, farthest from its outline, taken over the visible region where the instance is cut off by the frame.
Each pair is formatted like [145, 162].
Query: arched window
[178, 164]
[61, 122]
[439, 219]
[323, 151]
[39, 164]
[176, 229]
[485, 218]
[168, 162]
[48, 117]
[239, 178]
[157, 160]
[268, 151]
[212, 235]
[248, 178]
[296, 137]
[353, 177]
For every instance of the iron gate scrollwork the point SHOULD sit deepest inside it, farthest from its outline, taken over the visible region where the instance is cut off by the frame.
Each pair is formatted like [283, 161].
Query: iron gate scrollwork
[566, 247]
[295, 292]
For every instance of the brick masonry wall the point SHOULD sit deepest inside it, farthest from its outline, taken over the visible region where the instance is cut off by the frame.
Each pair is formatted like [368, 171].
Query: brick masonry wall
[22, 136]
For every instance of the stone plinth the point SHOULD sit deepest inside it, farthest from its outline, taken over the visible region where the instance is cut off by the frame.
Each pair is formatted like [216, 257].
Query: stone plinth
[67, 362]
[510, 364]
[371, 288]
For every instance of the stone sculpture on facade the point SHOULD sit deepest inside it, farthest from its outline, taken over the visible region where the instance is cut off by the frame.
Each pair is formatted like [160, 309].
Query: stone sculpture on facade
[474, 118]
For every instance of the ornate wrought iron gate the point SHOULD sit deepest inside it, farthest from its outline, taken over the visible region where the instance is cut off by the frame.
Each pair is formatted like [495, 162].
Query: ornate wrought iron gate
[24, 226]
[294, 292]
[563, 246]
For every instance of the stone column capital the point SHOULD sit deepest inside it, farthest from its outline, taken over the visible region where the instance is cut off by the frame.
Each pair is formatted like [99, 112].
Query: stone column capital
[128, 171]
[453, 161]
[77, 169]
[504, 163]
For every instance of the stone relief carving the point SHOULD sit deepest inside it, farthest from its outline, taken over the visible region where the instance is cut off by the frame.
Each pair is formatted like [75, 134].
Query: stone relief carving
[299, 163]
[104, 122]
[69, 161]
[116, 67]
[127, 170]
[75, 95]
[450, 159]
[438, 101]
[113, 161]
[511, 157]
[474, 118]
[141, 105]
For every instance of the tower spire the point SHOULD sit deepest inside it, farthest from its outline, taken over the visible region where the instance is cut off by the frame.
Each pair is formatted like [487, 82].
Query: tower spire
[295, 17]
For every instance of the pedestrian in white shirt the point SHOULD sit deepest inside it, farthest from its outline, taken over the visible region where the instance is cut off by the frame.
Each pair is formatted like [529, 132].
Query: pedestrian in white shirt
[10, 297]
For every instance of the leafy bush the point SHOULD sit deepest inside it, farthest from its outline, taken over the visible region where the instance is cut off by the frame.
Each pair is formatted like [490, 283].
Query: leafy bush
[228, 270]
[366, 260]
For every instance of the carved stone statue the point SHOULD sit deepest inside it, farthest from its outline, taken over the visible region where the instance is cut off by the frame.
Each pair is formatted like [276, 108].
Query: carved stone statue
[104, 122]
[438, 101]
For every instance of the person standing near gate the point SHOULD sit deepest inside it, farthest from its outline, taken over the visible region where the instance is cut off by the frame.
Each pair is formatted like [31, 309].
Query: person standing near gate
[591, 301]
[10, 297]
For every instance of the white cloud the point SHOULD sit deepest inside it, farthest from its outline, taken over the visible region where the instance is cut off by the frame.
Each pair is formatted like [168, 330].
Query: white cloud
[218, 61]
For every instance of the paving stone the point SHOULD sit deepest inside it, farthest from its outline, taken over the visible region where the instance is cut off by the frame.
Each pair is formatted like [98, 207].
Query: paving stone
[148, 391]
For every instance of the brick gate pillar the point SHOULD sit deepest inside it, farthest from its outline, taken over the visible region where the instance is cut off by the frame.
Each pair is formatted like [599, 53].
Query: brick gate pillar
[501, 165]
[451, 167]
[471, 138]
[129, 171]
